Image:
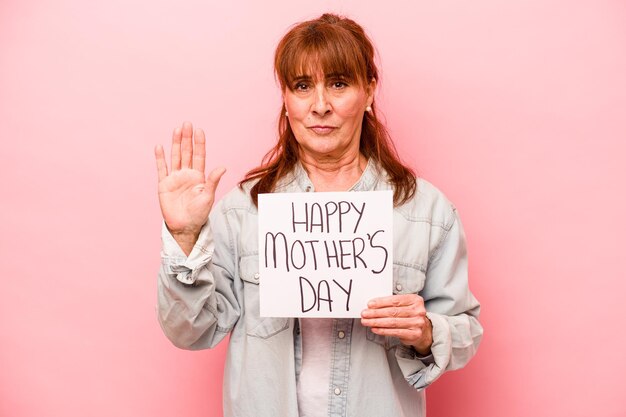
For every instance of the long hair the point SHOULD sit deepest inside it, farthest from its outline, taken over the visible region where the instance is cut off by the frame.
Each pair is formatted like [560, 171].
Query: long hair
[336, 45]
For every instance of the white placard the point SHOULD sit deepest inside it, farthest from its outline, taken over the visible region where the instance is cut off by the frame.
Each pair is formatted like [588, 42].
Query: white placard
[324, 254]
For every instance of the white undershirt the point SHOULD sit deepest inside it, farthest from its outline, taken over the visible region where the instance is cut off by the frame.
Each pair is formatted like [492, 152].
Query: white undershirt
[315, 372]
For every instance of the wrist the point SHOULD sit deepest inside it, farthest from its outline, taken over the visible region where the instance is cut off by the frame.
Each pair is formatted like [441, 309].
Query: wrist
[186, 239]
[185, 234]
[426, 341]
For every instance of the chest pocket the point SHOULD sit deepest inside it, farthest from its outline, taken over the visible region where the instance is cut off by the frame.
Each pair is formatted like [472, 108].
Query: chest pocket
[263, 327]
[406, 280]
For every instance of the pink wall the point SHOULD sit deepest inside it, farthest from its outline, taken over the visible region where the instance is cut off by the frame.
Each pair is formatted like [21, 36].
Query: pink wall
[516, 109]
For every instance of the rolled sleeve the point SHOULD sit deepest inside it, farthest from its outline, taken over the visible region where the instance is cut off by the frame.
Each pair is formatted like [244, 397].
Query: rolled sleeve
[186, 268]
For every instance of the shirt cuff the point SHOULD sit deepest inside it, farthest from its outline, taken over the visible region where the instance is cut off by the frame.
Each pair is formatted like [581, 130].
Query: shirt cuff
[186, 268]
[422, 371]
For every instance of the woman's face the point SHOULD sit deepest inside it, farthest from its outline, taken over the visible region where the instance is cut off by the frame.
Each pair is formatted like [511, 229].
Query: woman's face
[325, 113]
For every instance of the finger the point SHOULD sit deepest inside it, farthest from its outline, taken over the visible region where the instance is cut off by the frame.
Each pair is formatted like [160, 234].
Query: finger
[199, 151]
[186, 146]
[395, 322]
[397, 300]
[213, 179]
[176, 138]
[406, 311]
[160, 161]
[408, 335]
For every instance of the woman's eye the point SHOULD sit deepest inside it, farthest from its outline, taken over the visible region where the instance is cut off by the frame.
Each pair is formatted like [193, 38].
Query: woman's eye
[301, 87]
[339, 84]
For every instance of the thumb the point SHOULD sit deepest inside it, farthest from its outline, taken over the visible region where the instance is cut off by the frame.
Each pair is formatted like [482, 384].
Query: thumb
[213, 179]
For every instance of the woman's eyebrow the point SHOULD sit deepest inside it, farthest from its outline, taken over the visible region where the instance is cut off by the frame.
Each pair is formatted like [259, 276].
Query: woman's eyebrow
[337, 75]
[299, 78]
[329, 76]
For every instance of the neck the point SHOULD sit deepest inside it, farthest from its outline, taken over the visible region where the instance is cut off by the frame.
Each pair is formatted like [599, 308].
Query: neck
[334, 174]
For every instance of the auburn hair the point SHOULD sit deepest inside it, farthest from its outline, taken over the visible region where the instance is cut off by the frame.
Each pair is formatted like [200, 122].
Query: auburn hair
[336, 45]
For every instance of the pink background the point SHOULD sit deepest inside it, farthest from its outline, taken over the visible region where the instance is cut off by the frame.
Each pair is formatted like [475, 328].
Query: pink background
[515, 109]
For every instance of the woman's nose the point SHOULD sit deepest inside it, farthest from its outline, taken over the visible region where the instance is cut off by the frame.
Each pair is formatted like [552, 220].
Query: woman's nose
[321, 106]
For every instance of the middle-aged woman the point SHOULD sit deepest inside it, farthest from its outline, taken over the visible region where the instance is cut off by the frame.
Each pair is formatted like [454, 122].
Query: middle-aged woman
[330, 139]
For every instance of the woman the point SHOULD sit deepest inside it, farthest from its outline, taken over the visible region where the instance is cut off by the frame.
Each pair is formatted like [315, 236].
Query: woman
[329, 140]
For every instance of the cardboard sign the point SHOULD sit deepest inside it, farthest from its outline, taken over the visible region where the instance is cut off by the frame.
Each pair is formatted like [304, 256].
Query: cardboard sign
[324, 254]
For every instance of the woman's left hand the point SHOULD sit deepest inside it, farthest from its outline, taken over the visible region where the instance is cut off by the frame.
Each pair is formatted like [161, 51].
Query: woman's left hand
[402, 316]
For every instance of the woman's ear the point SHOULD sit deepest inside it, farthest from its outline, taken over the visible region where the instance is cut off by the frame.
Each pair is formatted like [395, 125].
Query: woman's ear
[371, 91]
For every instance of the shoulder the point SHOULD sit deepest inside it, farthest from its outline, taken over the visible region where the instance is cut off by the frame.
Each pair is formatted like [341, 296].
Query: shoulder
[429, 204]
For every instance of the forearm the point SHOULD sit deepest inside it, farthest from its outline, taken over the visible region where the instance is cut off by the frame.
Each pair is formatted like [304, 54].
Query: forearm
[186, 313]
[455, 339]
[190, 288]
[452, 310]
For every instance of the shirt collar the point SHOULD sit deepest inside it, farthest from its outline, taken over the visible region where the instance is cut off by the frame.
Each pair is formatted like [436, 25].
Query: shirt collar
[298, 180]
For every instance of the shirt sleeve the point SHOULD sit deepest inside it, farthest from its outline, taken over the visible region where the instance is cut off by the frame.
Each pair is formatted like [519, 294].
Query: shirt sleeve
[451, 308]
[196, 302]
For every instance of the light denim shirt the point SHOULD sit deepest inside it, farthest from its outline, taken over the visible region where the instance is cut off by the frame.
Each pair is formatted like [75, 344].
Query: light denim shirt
[215, 291]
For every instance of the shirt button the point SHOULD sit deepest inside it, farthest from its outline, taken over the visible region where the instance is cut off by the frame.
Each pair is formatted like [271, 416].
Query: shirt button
[337, 391]
[399, 287]
[256, 276]
[308, 188]
[341, 334]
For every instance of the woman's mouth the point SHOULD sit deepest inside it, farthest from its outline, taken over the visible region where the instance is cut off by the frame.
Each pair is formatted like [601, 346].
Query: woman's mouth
[322, 130]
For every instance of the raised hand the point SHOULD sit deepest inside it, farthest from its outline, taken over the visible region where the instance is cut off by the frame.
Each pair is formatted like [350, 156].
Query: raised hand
[185, 196]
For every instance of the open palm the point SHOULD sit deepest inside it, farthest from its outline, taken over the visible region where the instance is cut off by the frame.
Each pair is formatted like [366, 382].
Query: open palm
[185, 195]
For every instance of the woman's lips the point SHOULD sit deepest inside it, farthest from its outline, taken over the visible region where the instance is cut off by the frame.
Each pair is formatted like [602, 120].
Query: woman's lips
[322, 130]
